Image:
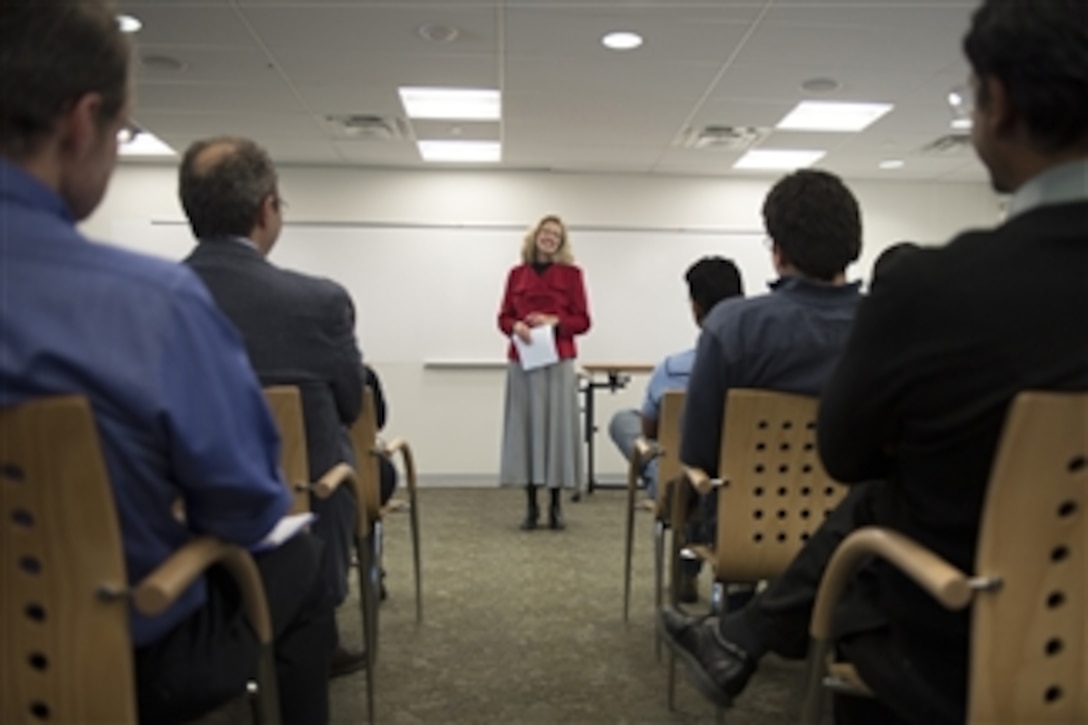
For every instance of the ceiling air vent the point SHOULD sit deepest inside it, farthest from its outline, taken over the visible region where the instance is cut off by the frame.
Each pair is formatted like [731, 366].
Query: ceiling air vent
[363, 127]
[952, 143]
[722, 138]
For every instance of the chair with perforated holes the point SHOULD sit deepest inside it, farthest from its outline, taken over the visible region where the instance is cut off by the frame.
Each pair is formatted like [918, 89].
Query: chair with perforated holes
[64, 597]
[368, 450]
[285, 403]
[1029, 591]
[666, 450]
[773, 492]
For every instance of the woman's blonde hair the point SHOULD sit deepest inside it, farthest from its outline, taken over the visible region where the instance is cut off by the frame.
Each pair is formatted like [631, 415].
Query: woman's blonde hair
[563, 255]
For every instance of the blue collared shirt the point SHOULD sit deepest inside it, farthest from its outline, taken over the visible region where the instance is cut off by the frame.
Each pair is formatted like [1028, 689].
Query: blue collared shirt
[178, 409]
[789, 340]
[672, 373]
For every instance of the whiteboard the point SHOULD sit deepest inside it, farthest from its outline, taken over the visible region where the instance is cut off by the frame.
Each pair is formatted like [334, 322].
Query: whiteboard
[432, 293]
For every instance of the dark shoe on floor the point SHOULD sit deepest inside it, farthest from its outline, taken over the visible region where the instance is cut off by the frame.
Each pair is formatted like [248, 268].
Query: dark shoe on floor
[346, 662]
[689, 589]
[555, 512]
[718, 668]
[532, 514]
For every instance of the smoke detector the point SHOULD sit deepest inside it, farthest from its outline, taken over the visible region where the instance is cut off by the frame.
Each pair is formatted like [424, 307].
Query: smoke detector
[365, 127]
[723, 138]
[948, 144]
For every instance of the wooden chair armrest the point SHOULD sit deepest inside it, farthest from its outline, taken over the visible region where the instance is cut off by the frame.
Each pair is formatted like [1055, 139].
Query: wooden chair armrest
[400, 445]
[161, 588]
[699, 479]
[643, 451]
[944, 582]
[326, 485]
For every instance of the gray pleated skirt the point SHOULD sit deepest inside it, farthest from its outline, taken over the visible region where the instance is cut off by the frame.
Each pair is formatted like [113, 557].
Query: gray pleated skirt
[541, 439]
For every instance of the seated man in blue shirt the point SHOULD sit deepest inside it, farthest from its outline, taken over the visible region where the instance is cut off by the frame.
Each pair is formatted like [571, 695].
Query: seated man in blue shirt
[178, 410]
[710, 280]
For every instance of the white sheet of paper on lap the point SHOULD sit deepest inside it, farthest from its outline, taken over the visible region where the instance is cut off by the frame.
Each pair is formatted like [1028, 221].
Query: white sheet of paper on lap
[540, 351]
[285, 529]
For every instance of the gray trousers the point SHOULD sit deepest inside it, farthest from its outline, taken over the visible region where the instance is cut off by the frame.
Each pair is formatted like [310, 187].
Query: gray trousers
[624, 429]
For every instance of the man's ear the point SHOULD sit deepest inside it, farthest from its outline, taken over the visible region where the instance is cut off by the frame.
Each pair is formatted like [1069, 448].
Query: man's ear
[997, 111]
[79, 129]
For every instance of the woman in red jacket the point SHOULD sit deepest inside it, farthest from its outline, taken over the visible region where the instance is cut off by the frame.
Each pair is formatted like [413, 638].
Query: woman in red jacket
[541, 443]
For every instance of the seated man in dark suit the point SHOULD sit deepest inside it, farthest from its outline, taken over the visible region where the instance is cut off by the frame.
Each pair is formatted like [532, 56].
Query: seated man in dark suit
[937, 354]
[178, 410]
[298, 330]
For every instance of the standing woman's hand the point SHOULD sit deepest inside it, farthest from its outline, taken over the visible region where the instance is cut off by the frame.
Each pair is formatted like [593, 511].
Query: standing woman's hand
[522, 331]
[536, 319]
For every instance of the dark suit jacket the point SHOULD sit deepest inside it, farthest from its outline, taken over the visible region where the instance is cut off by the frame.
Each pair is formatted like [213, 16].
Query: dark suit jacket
[298, 330]
[938, 351]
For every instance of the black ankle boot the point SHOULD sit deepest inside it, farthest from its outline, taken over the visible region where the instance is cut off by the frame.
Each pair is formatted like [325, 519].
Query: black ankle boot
[533, 514]
[555, 514]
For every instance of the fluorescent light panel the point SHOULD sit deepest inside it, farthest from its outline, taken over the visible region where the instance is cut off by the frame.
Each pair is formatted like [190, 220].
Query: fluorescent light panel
[460, 151]
[142, 143]
[832, 116]
[778, 159]
[455, 104]
[622, 40]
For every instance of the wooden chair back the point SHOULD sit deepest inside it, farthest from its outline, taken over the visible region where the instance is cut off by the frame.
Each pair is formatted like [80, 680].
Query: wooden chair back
[669, 424]
[66, 654]
[364, 439]
[774, 491]
[285, 403]
[1029, 660]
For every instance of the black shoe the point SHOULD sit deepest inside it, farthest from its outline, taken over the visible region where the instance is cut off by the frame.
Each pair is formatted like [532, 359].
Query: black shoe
[346, 662]
[532, 515]
[718, 668]
[555, 513]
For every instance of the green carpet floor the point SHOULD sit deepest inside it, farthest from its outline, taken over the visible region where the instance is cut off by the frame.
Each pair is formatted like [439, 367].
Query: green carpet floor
[527, 627]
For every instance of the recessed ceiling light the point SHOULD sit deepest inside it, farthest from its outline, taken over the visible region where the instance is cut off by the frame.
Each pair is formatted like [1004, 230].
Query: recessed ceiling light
[832, 116]
[621, 40]
[129, 24]
[137, 142]
[163, 64]
[821, 85]
[892, 164]
[438, 33]
[460, 151]
[778, 159]
[460, 104]
[962, 124]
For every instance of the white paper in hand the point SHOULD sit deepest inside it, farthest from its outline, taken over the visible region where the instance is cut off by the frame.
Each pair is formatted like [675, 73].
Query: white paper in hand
[284, 530]
[540, 351]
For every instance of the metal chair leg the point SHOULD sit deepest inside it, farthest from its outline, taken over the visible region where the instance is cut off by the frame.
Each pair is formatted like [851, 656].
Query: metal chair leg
[659, 584]
[812, 705]
[264, 703]
[629, 546]
[672, 681]
[416, 556]
[364, 550]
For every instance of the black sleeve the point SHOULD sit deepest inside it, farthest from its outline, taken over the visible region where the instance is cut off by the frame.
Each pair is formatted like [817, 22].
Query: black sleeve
[856, 429]
[375, 385]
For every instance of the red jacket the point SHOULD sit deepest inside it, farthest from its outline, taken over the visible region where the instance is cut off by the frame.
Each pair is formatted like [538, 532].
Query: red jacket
[558, 291]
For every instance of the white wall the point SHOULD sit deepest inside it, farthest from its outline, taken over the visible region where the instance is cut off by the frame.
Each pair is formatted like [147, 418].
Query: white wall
[452, 417]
